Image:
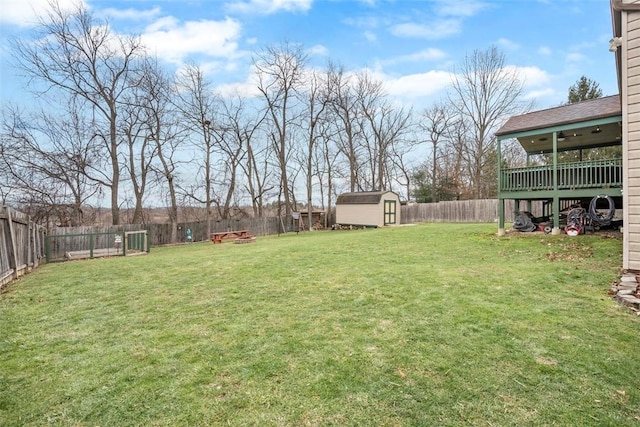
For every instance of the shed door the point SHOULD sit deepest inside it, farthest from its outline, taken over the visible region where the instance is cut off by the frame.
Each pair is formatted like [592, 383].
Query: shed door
[389, 212]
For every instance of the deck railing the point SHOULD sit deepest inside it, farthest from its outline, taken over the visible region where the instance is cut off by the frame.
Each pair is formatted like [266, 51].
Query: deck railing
[590, 174]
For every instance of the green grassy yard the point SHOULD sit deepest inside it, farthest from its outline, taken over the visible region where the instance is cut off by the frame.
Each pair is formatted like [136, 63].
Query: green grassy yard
[436, 324]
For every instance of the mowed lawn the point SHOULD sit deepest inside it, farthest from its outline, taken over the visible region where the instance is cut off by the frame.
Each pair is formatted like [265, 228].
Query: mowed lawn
[426, 325]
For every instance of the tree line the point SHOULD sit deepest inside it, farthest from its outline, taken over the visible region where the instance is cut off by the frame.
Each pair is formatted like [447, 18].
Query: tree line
[116, 126]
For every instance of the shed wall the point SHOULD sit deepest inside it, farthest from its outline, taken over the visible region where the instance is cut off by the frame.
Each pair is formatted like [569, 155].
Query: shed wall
[367, 214]
[357, 214]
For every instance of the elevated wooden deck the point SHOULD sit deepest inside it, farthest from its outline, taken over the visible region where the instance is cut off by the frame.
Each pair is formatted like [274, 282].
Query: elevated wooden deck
[576, 179]
[579, 127]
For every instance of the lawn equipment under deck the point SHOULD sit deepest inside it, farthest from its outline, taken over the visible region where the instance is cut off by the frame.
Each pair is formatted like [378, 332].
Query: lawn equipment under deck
[575, 219]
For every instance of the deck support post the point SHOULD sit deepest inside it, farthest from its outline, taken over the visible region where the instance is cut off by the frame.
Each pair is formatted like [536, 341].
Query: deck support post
[501, 231]
[556, 216]
[556, 199]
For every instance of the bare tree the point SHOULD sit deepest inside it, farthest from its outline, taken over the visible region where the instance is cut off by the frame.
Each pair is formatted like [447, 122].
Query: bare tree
[80, 56]
[485, 92]
[163, 131]
[346, 111]
[197, 103]
[329, 154]
[280, 74]
[5, 170]
[370, 96]
[403, 159]
[149, 127]
[456, 175]
[316, 98]
[242, 127]
[141, 149]
[233, 138]
[386, 124]
[45, 159]
[435, 122]
[257, 170]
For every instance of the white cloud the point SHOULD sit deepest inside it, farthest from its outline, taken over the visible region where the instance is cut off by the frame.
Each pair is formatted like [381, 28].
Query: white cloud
[463, 9]
[508, 44]
[446, 20]
[538, 85]
[161, 23]
[575, 57]
[430, 31]
[539, 94]
[209, 68]
[425, 55]
[24, 13]
[367, 22]
[533, 76]
[413, 86]
[268, 7]
[245, 89]
[131, 14]
[319, 50]
[544, 50]
[370, 36]
[430, 54]
[173, 41]
[420, 85]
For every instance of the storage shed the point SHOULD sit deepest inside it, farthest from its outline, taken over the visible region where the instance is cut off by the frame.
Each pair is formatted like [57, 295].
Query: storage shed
[368, 208]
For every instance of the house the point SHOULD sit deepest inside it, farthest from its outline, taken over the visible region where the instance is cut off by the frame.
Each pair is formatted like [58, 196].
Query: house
[625, 17]
[368, 208]
[574, 131]
[607, 121]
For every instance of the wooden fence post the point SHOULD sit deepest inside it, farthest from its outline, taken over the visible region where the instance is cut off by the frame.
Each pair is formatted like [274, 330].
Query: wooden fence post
[30, 258]
[36, 246]
[12, 238]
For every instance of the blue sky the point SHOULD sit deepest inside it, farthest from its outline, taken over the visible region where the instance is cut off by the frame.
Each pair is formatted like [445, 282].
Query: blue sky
[411, 45]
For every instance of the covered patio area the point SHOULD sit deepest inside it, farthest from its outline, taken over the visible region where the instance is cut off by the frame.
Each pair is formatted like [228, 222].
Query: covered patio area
[571, 157]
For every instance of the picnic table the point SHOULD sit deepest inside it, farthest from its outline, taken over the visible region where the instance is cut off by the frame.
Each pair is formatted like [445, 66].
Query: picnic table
[219, 236]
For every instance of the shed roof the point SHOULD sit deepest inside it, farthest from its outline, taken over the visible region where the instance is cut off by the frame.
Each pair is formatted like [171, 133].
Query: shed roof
[362, 198]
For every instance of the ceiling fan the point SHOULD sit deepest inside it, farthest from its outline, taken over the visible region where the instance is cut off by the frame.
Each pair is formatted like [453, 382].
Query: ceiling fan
[562, 136]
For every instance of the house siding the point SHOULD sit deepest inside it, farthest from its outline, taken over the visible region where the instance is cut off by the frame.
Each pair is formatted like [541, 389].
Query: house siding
[631, 136]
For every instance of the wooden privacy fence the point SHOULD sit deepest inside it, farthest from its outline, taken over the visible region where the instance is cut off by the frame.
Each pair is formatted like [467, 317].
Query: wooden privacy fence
[484, 210]
[160, 234]
[21, 244]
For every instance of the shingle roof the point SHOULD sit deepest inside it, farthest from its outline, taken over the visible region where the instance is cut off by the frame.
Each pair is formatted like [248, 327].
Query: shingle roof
[362, 197]
[607, 106]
